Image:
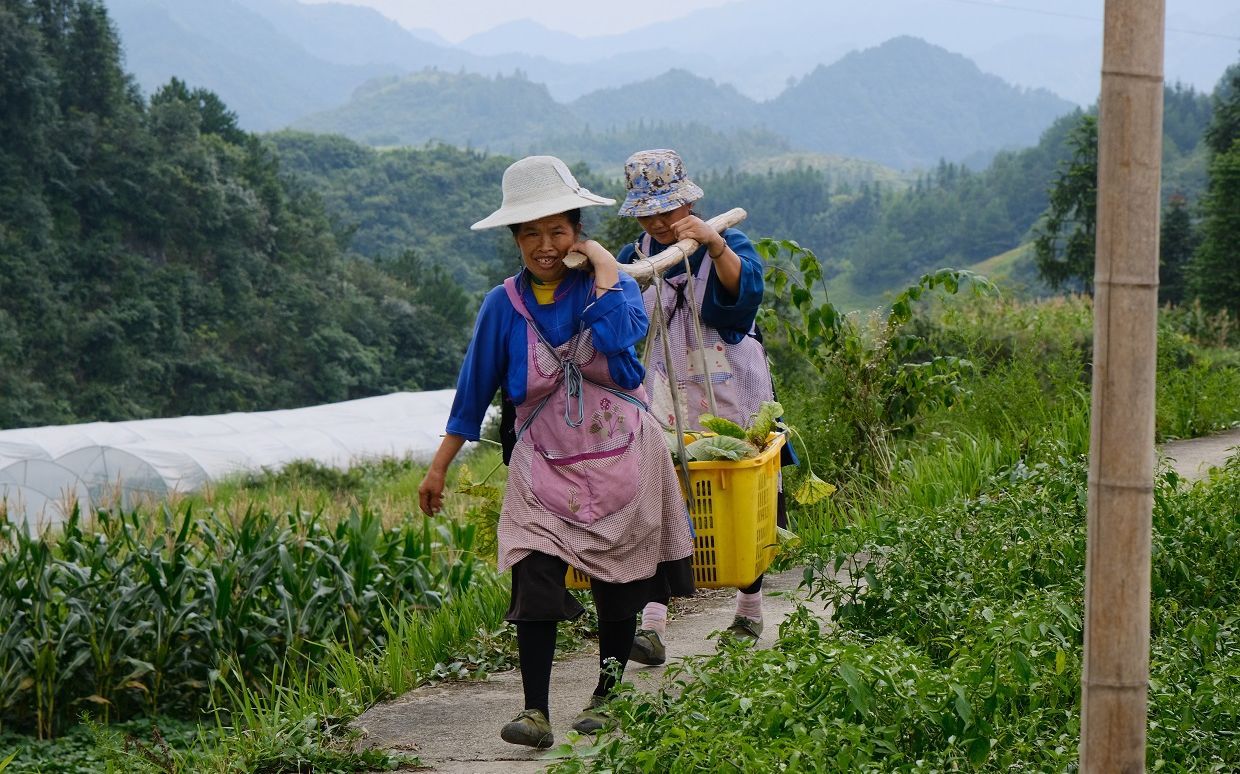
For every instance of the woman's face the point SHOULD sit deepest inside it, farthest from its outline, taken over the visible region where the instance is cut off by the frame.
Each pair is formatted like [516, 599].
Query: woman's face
[660, 226]
[544, 243]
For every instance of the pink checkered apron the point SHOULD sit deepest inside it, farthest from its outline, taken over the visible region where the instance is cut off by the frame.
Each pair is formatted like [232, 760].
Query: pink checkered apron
[590, 479]
[739, 374]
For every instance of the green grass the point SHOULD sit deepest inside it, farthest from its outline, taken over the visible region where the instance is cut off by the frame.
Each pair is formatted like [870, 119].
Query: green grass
[998, 266]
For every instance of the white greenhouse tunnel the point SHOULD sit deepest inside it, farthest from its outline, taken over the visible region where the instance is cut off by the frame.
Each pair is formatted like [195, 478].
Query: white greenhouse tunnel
[44, 471]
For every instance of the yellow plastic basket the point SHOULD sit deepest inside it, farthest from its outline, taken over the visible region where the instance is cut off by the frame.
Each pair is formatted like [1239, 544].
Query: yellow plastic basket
[733, 506]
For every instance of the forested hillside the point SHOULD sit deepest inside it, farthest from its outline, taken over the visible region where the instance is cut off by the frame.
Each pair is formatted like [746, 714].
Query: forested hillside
[386, 203]
[155, 260]
[697, 100]
[874, 231]
[514, 116]
[501, 113]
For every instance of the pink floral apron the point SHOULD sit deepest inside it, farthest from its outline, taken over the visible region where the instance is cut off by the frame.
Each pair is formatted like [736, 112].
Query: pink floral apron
[590, 477]
[739, 374]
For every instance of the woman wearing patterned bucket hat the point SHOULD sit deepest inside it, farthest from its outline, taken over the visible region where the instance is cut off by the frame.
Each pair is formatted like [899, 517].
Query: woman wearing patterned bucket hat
[729, 285]
[589, 478]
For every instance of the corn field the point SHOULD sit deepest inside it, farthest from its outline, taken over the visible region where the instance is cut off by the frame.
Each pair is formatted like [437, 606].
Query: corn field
[145, 614]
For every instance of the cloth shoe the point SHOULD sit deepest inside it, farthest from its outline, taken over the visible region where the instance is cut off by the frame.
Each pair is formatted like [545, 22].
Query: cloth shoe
[648, 648]
[592, 719]
[530, 728]
[743, 628]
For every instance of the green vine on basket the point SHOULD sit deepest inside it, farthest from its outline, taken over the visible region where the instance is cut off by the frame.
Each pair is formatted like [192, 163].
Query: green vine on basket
[812, 489]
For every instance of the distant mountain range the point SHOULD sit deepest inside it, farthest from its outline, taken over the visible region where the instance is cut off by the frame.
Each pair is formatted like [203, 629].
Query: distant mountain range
[904, 104]
[817, 77]
[756, 45]
[274, 61]
[907, 103]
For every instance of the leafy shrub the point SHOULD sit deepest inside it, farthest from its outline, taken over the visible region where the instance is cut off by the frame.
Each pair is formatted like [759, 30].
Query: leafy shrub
[959, 642]
[884, 386]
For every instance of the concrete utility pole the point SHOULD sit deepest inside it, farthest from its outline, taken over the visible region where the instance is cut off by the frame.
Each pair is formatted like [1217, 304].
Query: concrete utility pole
[1121, 449]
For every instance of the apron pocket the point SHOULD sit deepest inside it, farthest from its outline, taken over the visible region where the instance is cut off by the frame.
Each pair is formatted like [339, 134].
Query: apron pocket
[585, 487]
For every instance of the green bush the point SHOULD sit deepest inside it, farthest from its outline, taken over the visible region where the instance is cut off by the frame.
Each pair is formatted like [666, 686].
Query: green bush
[958, 643]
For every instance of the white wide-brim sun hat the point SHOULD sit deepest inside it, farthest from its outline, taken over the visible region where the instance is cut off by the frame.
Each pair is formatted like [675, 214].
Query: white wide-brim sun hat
[535, 187]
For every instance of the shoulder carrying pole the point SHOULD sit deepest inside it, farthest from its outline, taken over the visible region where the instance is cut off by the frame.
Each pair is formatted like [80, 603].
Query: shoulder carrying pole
[645, 271]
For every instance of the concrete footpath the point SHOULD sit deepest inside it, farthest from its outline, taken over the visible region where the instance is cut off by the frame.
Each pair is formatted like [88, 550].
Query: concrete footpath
[454, 726]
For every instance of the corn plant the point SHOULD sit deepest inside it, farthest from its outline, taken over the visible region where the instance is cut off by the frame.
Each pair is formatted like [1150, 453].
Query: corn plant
[143, 613]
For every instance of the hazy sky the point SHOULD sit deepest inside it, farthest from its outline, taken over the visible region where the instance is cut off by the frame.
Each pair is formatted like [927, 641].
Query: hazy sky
[458, 19]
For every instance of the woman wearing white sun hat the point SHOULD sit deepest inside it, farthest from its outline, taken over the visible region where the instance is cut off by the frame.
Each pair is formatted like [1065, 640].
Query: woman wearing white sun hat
[590, 482]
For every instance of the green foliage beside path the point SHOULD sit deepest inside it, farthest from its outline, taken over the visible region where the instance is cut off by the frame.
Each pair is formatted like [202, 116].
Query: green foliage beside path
[956, 576]
[147, 614]
[957, 642]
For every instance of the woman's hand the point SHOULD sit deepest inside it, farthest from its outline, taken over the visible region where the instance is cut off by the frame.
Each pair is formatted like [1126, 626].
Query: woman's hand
[606, 270]
[430, 492]
[727, 264]
[693, 227]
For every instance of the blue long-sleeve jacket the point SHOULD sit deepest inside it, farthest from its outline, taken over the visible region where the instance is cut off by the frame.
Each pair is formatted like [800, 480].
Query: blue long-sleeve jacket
[497, 354]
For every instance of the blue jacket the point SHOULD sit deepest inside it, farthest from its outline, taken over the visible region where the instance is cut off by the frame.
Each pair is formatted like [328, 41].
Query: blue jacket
[497, 354]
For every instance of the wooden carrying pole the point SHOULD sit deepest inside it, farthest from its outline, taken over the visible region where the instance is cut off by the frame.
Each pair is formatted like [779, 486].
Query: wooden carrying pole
[644, 271]
[1121, 453]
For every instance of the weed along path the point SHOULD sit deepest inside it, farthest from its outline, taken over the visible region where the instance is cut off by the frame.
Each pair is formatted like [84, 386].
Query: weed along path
[454, 726]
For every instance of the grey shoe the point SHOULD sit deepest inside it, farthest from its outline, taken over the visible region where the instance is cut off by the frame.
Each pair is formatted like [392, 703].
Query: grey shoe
[648, 648]
[531, 728]
[745, 629]
[592, 719]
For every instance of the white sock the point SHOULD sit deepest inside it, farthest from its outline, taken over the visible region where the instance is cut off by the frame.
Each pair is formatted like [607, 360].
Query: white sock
[749, 605]
[654, 617]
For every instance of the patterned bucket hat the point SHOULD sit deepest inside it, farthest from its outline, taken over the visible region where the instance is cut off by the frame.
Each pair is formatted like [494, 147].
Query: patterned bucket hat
[656, 182]
[535, 187]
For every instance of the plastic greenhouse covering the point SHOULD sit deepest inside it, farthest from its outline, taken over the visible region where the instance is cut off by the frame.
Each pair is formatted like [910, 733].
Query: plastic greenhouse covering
[44, 471]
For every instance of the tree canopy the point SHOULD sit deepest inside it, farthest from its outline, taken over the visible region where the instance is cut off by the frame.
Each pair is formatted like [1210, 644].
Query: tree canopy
[1215, 271]
[155, 260]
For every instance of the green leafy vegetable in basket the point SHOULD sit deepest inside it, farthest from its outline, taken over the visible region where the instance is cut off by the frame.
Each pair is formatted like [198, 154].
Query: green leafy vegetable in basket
[720, 447]
[721, 426]
[763, 423]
